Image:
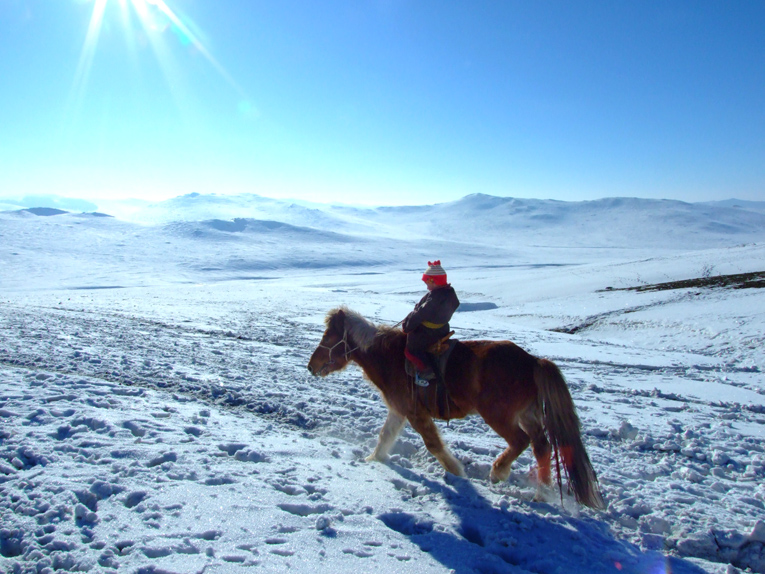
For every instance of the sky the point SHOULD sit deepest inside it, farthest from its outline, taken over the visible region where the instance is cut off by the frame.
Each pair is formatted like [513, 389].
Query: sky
[382, 102]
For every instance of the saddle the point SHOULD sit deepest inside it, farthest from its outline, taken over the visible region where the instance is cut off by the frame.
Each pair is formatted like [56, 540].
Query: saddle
[443, 346]
[438, 354]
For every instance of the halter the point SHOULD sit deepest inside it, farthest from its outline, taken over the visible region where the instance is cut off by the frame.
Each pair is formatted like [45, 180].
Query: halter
[346, 355]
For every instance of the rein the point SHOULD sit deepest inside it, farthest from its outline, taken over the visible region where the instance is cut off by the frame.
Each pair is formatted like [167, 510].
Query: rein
[346, 355]
[348, 351]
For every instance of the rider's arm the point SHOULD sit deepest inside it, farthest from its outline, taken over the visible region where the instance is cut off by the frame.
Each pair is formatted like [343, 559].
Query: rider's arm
[418, 315]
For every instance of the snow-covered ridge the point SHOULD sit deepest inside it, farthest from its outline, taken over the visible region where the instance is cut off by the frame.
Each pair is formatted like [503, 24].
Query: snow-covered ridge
[214, 237]
[627, 222]
[609, 222]
[237, 228]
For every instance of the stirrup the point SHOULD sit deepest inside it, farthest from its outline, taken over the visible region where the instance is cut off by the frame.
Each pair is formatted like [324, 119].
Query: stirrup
[421, 382]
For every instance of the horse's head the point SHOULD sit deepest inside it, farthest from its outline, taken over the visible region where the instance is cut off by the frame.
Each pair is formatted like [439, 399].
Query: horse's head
[333, 352]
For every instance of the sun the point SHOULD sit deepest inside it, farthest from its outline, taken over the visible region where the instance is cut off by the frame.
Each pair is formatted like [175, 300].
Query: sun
[154, 17]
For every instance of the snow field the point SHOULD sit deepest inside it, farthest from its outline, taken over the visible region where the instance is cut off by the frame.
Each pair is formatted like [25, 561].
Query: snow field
[209, 411]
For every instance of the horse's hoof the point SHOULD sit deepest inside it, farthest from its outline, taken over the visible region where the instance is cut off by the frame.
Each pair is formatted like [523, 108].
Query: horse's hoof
[457, 471]
[376, 458]
[454, 479]
[544, 494]
[496, 478]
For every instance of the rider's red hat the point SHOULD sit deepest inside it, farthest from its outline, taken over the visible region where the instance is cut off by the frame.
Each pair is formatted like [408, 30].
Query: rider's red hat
[435, 273]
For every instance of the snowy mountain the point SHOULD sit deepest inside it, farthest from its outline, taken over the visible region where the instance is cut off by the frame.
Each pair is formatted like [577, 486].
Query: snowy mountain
[612, 222]
[188, 234]
[156, 413]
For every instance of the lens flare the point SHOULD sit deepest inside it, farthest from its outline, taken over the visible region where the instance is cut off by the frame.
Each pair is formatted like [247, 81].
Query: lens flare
[155, 17]
[186, 36]
[654, 563]
[663, 566]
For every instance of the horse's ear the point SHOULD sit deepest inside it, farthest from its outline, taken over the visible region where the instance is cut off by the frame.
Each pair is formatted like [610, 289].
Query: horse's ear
[339, 319]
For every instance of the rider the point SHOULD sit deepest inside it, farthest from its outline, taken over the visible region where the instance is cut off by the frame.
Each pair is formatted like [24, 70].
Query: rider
[429, 321]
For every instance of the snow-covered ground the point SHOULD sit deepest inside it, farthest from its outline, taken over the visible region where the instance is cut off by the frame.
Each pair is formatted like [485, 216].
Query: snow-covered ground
[156, 414]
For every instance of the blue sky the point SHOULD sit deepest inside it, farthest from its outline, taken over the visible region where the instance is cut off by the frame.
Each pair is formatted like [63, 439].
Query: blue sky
[382, 102]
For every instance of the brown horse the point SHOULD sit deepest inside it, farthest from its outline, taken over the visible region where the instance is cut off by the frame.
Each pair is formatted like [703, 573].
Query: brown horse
[523, 398]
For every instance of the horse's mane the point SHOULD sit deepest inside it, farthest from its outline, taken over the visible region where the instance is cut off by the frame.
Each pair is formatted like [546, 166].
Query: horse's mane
[363, 332]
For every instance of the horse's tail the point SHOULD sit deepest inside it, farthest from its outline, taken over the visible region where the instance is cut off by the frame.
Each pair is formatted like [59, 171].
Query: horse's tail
[562, 426]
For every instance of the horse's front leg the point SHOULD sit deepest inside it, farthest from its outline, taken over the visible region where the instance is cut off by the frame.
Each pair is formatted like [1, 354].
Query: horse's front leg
[424, 425]
[388, 434]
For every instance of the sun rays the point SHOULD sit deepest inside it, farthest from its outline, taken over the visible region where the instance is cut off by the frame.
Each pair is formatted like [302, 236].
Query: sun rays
[186, 36]
[88, 52]
[144, 23]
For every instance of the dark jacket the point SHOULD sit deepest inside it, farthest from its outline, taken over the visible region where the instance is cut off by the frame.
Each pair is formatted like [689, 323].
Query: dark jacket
[433, 312]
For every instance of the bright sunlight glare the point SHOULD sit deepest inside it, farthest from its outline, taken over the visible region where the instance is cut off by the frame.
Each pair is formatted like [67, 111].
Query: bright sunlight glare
[155, 17]
[88, 51]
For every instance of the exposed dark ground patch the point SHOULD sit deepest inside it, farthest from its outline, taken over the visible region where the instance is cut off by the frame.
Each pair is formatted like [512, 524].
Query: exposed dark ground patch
[753, 280]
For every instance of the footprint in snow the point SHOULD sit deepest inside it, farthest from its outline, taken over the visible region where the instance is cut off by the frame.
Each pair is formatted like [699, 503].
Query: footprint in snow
[241, 453]
[290, 489]
[166, 457]
[135, 429]
[305, 509]
[358, 553]
[220, 480]
[135, 498]
[59, 414]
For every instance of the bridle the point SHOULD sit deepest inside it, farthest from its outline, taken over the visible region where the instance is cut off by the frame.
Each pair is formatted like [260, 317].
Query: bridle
[346, 354]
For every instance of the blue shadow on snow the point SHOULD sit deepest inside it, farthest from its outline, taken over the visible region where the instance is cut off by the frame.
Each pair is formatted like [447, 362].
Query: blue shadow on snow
[490, 540]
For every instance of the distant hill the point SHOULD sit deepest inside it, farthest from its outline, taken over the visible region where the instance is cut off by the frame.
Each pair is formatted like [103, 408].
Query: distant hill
[500, 221]
[230, 229]
[57, 202]
[740, 204]
[200, 237]
[94, 214]
[45, 211]
[199, 207]
[622, 221]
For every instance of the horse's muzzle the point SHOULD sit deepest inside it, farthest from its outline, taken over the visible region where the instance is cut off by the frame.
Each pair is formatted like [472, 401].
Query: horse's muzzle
[318, 371]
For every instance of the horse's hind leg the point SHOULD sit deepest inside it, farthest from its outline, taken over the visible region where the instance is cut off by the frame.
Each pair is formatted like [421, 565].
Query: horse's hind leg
[532, 426]
[388, 434]
[517, 441]
[519, 433]
[500, 418]
[424, 425]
